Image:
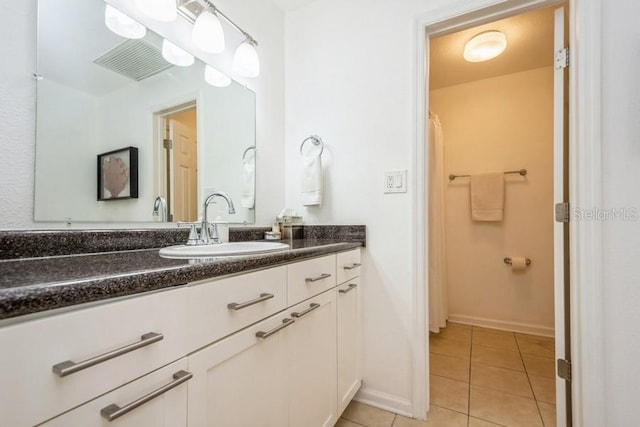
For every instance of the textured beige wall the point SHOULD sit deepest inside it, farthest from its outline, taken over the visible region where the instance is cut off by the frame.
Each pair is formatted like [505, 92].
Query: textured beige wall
[503, 123]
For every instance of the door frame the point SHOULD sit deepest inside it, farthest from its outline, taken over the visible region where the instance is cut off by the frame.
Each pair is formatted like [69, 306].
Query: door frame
[585, 183]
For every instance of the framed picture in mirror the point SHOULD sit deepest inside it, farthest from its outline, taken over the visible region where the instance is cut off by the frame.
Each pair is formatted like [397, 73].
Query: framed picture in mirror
[118, 174]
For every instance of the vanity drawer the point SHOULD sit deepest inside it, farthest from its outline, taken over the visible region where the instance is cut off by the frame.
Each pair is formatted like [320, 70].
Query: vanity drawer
[348, 265]
[308, 278]
[126, 339]
[162, 396]
[218, 308]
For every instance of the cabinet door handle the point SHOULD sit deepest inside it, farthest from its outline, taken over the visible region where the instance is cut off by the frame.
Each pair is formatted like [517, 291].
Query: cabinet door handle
[285, 322]
[69, 367]
[240, 305]
[315, 279]
[312, 307]
[113, 411]
[352, 266]
[351, 287]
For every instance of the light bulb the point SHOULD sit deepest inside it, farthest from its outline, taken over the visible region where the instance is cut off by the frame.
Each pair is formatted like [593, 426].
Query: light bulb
[122, 25]
[215, 77]
[245, 60]
[160, 10]
[176, 55]
[207, 33]
[485, 46]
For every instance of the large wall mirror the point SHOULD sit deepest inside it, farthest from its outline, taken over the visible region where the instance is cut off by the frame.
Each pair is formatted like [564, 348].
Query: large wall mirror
[99, 94]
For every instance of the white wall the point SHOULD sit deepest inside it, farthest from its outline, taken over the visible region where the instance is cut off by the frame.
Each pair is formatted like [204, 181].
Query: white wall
[67, 129]
[261, 18]
[489, 125]
[350, 79]
[621, 239]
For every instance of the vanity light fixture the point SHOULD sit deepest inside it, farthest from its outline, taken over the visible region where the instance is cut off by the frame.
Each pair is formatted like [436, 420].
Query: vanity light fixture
[484, 46]
[122, 25]
[160, 10]
[207, 32]
[208, 35]
[215, 77]
[176, 55]
[245, 60]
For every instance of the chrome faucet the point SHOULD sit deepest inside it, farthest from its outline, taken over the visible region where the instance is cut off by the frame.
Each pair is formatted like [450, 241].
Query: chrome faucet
[160, 208]
[209, 231]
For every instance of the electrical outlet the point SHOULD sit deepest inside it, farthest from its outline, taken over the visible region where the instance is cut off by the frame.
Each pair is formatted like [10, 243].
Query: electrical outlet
[395, 181]
[389, 182]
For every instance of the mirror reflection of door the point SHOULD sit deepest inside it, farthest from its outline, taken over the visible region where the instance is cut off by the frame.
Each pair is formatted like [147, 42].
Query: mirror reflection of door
[182, 164]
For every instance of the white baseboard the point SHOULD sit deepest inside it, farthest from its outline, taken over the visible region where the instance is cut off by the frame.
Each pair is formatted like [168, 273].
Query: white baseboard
[388, 402]
[524, 328]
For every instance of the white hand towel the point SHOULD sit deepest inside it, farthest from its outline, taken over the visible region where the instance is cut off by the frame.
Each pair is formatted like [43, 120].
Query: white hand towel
[312, 180]
[487, 197]
[248, 198]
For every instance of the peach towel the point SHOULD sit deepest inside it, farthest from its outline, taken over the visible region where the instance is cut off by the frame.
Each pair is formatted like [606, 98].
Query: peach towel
[487, 196]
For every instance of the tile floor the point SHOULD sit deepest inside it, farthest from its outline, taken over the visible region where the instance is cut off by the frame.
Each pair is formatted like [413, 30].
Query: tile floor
[479, 378]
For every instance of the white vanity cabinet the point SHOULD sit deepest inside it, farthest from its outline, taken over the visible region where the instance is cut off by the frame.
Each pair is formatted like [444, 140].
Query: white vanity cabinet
[278, 372]
[273, 348]
[310, 345]
[241, 380]
[349, 336]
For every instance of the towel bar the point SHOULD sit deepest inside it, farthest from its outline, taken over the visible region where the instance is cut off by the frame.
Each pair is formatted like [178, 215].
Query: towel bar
[315, 140]
[522, 172]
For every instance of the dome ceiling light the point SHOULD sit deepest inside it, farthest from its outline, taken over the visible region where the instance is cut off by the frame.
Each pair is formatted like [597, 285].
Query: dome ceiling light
[485, 46]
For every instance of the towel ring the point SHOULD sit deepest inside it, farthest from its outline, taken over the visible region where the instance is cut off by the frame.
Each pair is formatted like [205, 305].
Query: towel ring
[244, 154]
[315, 140]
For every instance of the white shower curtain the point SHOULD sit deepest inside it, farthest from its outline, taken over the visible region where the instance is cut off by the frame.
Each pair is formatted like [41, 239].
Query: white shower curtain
[437, 256]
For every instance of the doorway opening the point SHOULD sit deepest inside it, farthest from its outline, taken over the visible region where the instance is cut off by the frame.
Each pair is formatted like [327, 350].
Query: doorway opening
[497, 284]
[177, 145]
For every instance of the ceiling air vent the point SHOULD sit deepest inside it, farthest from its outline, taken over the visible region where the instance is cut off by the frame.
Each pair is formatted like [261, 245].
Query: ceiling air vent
[135, 59]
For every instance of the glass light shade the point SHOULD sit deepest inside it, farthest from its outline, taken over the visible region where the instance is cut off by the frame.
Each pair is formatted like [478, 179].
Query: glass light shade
[176, 55]
[122, 25]
[245, 60]
[485, 46]
[215, 77]
[160, 10]
[207, 33]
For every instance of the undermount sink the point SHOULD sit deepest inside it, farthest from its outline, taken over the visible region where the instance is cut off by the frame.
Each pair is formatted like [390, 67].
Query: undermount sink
[221, 249]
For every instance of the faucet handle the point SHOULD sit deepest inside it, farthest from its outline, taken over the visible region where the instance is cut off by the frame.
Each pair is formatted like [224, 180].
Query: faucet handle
[193, 238]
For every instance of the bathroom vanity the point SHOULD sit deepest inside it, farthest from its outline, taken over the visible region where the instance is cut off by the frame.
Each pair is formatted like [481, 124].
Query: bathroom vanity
[264, 340]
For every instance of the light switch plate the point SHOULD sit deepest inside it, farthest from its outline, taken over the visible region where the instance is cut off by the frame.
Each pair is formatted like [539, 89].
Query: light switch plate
[395, 181]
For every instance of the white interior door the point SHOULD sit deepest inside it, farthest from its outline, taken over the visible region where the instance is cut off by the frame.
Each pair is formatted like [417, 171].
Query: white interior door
[184, 196]
[563, 400]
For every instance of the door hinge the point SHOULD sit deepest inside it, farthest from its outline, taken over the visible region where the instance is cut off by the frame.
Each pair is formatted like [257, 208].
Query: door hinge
[562, 212]
[562, 58]
[167, 143]
[564, 369]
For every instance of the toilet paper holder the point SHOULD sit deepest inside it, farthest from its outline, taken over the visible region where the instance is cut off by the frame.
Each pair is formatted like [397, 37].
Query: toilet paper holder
[507, 260]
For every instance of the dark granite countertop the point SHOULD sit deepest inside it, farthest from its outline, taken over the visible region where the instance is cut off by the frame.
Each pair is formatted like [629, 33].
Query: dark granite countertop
[32, 285]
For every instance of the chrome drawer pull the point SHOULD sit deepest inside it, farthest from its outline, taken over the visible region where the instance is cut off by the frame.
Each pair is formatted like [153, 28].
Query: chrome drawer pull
[285, 322]
[315, 279]
[69, 367]
[113, 411]
[240, 305]
[351, 287]
[312, 307]
[352, 266]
